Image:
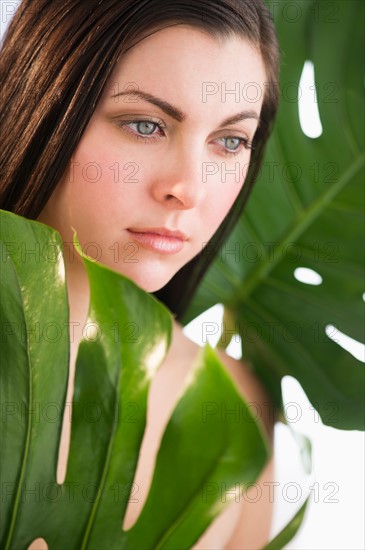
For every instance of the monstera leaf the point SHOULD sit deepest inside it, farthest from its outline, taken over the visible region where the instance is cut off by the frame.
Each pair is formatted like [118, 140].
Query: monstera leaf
[305, 211]
[115, 366]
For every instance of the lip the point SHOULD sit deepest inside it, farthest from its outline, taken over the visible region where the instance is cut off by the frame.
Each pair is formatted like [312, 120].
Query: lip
[159, 239]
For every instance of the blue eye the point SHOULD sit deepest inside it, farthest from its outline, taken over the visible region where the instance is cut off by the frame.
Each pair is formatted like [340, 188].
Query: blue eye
[145, 127]
[143, 130]
[233, 143]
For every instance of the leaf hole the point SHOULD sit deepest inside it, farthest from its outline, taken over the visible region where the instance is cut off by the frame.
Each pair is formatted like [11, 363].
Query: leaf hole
[307, 276]
[356, 348]
[38, 544]
[309, 117]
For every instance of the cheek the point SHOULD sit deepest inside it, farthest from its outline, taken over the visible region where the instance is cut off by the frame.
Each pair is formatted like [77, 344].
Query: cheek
[101, 182]
[227, 188]
[92, 172]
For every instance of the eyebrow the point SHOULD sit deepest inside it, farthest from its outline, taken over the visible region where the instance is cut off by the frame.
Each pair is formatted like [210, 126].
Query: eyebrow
[179, 115]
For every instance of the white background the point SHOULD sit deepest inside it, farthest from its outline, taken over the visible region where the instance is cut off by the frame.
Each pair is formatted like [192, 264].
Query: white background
[335, 518]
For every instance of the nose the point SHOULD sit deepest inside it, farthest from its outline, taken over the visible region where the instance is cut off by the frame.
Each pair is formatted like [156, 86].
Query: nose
[179, 183]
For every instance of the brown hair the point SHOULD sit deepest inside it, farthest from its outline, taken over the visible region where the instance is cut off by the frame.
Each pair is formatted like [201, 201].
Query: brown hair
[56, 58]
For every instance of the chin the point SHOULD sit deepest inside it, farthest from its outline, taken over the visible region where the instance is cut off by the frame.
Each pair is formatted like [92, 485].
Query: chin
[150, 280]
[151, 286]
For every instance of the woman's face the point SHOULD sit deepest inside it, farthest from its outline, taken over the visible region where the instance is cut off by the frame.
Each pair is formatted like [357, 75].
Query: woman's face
[167, 149]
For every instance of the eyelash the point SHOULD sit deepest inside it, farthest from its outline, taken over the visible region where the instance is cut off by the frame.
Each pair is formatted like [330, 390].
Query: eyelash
[247, 144]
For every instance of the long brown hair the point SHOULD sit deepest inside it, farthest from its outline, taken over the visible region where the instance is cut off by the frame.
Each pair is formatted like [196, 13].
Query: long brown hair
[56, 59]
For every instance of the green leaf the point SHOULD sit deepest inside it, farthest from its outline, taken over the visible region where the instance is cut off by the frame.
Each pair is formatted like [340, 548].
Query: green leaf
[289, 531]
[115, 366]
[211, 452]
[34, 364]
[306, 210]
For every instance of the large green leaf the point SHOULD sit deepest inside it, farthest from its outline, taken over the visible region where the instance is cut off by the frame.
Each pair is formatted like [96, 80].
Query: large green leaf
[34, 362]
[113, 373]
[200, 473]
[306, 210]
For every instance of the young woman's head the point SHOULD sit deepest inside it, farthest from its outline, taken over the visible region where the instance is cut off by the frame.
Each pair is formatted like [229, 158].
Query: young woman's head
[122, 118]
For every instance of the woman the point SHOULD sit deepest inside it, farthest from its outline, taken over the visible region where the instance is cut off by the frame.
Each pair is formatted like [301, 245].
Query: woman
[142, 124]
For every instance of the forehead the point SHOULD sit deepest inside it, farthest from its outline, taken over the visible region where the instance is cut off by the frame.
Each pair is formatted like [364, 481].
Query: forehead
[192, 69]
